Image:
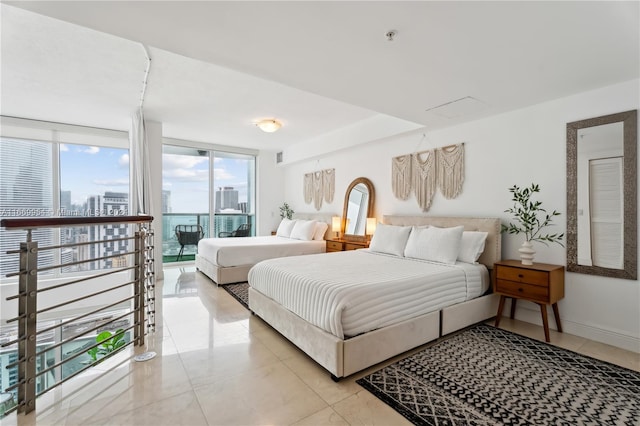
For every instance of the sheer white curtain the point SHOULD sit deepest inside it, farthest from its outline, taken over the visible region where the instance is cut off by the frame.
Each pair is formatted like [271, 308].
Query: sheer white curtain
[140, 173]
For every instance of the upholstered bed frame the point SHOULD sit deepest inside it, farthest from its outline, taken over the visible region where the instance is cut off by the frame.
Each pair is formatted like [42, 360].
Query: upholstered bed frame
[235, 274]
[343, 357]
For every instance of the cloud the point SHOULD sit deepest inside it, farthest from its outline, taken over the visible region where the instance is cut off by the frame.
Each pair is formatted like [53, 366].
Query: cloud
[172, 161]
[185, 168]
[64, 148]
[222, 174]
[112, 182]
[123, 161]
[91, 150]
[186, 175]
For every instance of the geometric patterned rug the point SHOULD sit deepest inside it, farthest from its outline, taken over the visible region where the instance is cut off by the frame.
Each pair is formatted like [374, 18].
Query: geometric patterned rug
[488, 376]
[239, 291]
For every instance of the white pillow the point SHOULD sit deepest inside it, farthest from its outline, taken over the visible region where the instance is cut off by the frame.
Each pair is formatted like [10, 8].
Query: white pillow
[285, 228]
[435, 244]
[471, 246]
[303, 230]
[390, 239]
[321, 229]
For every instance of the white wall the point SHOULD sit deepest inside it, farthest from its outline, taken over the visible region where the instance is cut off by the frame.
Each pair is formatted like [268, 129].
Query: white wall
[270, 193]
[519, 147]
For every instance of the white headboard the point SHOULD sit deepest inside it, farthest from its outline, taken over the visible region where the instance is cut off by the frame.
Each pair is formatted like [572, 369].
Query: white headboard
[493, 245]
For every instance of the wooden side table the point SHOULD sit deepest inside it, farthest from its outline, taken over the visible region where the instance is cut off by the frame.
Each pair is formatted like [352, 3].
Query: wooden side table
[344, 245]
[541, 283]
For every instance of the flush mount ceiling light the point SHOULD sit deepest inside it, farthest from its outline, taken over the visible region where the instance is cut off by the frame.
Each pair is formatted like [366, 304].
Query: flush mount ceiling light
[269, 125]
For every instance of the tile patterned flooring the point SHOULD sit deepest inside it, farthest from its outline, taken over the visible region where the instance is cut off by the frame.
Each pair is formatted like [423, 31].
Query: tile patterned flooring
[217, 364]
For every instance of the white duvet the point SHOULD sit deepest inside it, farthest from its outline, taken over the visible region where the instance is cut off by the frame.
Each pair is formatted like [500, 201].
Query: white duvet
[227, 252]
[352, 292]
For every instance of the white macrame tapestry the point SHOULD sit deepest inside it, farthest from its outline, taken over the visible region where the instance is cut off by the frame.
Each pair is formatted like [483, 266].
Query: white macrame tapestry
[401, 176]
[319, 186]
[424, 177]
[308, 188]
[450, 170]
[318, 189]
[329, 177]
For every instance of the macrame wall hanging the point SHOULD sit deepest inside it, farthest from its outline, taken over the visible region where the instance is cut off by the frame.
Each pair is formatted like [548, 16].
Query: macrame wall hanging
[319, 186]
[401, 176]
[329, 182]
[308, 188]
[450, 170]
[424, 172]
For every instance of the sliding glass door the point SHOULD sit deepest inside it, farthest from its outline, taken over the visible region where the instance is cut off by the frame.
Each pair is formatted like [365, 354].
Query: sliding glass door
[208, 190]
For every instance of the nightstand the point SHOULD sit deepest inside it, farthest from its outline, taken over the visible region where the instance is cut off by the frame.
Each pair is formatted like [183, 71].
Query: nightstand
[539, 283]
[344, 245]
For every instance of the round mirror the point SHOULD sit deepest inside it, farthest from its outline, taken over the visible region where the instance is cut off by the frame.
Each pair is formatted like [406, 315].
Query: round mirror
[358, 205]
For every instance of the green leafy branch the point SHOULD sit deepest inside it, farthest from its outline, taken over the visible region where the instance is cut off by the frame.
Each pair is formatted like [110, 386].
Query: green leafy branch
[531, 217]
[286, 211]
[108, 343]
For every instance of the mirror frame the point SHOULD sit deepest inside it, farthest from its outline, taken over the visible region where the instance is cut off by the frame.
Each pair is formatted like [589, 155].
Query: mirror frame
[372, 197]
[630, 179]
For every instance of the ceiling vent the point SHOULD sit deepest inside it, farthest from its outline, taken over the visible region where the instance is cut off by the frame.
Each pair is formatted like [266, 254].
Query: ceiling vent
[459, 108]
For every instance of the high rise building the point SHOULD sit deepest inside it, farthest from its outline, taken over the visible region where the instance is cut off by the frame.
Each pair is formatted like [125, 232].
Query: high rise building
[114, 204]
[166, 201]
[65, 203]
[26, 190]
[226, 198]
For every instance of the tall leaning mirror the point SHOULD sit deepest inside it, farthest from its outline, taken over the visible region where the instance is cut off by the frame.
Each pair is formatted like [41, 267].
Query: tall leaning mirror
[602, 195]
[358, 205]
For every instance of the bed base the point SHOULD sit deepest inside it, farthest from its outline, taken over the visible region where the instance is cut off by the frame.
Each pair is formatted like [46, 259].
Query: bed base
[222, 275]
[345, 357]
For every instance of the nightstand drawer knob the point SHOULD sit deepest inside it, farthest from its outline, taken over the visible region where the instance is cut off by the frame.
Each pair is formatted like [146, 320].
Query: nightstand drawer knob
[520, 289]
[520, 276]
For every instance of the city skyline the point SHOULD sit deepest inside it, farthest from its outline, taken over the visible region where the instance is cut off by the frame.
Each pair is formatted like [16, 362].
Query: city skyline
[87, 171]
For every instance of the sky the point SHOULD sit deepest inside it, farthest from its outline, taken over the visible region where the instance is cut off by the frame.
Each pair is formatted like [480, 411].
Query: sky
[87, 171]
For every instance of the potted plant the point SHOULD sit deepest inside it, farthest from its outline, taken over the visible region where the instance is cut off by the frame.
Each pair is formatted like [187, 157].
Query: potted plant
[286, 211]
[531, 219]
[108, 343]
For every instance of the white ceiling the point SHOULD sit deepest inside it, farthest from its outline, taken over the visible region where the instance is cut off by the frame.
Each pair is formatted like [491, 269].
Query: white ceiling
[217, 67]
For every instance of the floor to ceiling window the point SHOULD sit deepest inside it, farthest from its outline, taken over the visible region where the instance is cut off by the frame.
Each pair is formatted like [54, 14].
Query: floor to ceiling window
[51, 169]
[58, 170]
[208, 190]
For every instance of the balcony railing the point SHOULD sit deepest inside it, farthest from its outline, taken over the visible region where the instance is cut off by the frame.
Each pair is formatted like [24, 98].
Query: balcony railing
[120, 297]
[222, 222]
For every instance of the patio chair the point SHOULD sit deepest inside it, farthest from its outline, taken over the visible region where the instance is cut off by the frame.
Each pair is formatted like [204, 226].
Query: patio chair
[243, 230]
[188, 235]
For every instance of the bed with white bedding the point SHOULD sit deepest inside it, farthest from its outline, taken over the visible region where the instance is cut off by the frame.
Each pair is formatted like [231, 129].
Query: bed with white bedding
[228, 260]
[331, 291]
[351, 310]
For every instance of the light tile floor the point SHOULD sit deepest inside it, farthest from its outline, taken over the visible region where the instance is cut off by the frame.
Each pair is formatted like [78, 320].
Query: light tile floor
[217, 364]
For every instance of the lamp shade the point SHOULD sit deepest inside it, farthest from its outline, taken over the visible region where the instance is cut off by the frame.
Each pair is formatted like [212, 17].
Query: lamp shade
[371, 225]
[335, 224]
[269, 126]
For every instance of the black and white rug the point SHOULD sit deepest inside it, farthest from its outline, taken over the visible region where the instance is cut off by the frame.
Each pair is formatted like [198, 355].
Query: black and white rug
[239, 291]
[487, 376]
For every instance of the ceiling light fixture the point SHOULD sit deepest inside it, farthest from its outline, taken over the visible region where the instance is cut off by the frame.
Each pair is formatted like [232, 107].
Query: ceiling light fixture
[269, 125]
[391, 34]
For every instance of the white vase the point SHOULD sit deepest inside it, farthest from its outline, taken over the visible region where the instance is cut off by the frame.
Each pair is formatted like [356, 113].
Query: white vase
[527, 253]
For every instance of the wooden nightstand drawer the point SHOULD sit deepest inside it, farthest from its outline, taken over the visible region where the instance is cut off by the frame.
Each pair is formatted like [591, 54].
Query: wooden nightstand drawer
[521, 275]
[349, 246]
[334, 246]
[525, 291]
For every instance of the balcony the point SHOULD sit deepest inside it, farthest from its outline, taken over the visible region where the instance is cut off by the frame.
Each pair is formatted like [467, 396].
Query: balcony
[223, 222]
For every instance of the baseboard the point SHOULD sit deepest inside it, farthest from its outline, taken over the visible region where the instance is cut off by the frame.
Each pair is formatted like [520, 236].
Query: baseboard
[608, 337]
